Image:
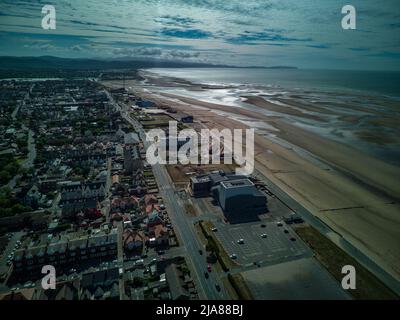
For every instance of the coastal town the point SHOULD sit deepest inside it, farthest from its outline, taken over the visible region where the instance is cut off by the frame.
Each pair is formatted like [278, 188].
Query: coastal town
[78, 194]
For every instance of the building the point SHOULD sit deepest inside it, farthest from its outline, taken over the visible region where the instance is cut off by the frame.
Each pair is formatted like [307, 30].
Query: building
[131, 138]
[145, 104]
[77, 196]
[176, 283]
[187, 119]
[200, 186]
[65, 252]
[100, 285]
[240, 200]
[132, 160]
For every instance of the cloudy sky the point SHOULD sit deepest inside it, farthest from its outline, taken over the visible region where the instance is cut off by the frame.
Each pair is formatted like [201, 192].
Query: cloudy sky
[302, 33]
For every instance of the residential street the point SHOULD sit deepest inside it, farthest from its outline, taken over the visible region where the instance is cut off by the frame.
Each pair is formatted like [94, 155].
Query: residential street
[184, 228]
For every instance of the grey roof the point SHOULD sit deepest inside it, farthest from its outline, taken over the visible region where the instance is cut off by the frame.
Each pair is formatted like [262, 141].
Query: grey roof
[237, 183]
[172, 275]
[131, 138]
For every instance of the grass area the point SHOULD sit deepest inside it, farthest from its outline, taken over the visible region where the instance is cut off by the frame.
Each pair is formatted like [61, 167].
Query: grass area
[215, 245]
[182, 173]
[239, 285]
[229, 288]
[334, 258]
[156, 120]
[177, 174]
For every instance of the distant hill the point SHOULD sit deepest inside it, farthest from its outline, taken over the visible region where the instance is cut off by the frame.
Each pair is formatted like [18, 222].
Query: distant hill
[53, 63]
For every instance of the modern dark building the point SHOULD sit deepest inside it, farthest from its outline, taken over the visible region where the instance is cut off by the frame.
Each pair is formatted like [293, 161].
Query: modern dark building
[240, 200]
[201, 185]
[187, 119]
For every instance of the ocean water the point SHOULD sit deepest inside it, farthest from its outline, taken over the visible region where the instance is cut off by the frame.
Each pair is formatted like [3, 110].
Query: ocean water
[358, 108]
[368, 82]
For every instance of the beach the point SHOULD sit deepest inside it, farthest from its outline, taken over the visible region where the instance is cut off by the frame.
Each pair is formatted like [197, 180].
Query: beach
[297, 147]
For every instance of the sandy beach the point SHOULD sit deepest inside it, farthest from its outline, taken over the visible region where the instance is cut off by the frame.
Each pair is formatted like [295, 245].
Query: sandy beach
[353, 193]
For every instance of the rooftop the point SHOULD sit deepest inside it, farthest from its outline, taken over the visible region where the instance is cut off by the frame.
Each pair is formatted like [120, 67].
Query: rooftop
[237, 183]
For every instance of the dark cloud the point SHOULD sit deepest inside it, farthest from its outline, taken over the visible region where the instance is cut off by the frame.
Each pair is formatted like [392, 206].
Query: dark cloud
[176, 21]
[318, 46]
[249, 37]
[156, 52]
[185, 33]
[359, 49]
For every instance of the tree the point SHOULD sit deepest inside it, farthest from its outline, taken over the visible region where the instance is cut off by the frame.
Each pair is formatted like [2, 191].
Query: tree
[5, 176]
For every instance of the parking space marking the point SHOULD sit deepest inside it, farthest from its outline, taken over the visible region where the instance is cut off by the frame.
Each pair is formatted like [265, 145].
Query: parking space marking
[277, 244]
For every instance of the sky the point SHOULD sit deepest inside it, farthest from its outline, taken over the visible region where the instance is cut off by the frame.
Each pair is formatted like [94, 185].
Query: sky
[301, 33]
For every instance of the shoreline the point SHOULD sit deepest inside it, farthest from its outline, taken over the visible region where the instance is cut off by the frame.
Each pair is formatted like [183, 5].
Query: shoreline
[337, 186]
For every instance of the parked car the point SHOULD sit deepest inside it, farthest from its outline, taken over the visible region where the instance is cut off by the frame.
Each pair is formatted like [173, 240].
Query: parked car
[139, 262]
[233, 256]
[217, 287]
[200, 252]
[264, 235]
[209, 268]
[240, 241]
[206, 275]
[286, 231]
[214, 229]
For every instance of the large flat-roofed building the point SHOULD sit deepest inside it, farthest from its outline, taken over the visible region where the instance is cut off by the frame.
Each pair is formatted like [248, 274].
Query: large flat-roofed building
[201, 185]
[240, 200]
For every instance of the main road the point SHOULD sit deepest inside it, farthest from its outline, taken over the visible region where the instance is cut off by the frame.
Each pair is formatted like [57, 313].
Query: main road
[183, 225]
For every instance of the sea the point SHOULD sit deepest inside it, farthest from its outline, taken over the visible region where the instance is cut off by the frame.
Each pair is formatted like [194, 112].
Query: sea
[359, 108]
[369, 82]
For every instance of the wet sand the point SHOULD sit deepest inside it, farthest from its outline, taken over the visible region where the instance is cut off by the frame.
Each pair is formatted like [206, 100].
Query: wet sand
[353, 193]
